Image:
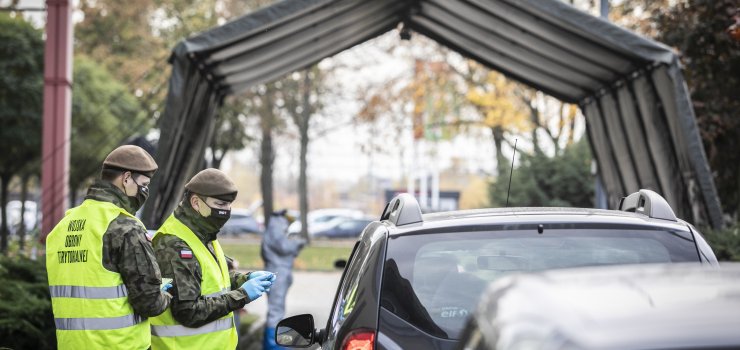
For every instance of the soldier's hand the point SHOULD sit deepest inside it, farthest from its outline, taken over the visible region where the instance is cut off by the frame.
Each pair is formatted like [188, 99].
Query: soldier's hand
[255, 274]
[166, 284]
[257, 286]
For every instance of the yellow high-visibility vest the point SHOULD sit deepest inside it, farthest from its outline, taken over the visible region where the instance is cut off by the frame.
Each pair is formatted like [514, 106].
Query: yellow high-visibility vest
[90, 303]
[167, 333]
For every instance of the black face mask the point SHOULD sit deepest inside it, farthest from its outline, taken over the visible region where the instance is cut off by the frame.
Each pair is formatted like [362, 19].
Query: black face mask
[216, 220]
[137, 201]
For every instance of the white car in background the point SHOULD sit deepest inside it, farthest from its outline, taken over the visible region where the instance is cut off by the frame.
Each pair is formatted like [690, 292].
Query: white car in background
[31, 217]
[321, 219]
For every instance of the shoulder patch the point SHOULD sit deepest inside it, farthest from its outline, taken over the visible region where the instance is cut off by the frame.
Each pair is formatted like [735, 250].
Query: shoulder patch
[186, 254]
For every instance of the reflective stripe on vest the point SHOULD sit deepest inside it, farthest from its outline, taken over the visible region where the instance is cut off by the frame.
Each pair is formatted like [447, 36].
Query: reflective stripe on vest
[216, 294]
[88, 292]
[72, 324]
[181, 331]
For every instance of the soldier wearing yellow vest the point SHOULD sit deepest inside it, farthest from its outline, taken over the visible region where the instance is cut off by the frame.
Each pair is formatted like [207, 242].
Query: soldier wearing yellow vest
[205, 293]
[103, 276]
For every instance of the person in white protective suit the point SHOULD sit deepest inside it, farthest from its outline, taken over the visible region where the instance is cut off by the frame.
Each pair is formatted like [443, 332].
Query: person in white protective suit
[278, 253]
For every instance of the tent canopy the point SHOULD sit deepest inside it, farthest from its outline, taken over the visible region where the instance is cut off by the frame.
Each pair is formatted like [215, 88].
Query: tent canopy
[640, 121]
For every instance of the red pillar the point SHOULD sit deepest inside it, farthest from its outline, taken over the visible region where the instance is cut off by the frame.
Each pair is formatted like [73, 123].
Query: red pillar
[57, 111]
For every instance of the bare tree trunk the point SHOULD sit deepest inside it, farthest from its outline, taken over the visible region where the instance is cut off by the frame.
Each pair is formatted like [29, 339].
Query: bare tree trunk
[501, 162]
[73, 196]
[216, 161]
[571, 128]
[267, 156]
[535, 117]
[4, 202]
[215, 158]
[22, 228]
[303, 122]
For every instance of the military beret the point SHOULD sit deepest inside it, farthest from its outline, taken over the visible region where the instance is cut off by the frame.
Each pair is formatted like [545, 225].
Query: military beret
[212, 183]
[131, 158]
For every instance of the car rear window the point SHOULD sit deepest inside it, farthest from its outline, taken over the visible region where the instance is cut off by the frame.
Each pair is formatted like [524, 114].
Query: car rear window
[434, 280]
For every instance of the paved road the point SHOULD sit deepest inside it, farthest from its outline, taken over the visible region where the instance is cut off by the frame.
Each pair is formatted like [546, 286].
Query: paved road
[311, 293]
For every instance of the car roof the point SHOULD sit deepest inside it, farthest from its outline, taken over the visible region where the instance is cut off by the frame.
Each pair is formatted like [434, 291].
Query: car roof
[645, 306]
[436, 222]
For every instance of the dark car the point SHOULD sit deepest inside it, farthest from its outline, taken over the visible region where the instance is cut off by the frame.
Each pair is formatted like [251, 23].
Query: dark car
[343, 228]
[626, 307]
[241, 221]
[412, 281]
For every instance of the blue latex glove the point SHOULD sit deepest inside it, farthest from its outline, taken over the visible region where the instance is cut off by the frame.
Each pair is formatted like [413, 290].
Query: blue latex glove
[257, 286]
[255, 274]
[166, 284]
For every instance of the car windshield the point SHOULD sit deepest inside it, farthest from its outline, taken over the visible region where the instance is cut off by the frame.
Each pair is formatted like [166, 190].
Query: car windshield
[433, 281]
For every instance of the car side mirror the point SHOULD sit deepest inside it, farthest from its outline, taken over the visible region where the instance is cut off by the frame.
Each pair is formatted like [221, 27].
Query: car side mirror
[339, 264]
[296, 332]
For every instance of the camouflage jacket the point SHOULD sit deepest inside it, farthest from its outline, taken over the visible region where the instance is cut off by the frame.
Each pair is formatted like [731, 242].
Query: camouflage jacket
[127, 251]
[188, 306]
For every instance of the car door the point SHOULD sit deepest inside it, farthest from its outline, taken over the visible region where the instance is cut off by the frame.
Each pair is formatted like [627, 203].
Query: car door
[357, 300]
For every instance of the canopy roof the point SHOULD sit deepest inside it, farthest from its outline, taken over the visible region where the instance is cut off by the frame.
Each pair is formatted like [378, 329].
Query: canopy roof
[640, 121]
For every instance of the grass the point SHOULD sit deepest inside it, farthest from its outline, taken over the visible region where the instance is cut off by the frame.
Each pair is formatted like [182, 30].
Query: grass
[311, 258]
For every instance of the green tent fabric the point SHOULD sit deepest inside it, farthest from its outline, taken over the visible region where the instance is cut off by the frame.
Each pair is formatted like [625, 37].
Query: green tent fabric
[640, 121]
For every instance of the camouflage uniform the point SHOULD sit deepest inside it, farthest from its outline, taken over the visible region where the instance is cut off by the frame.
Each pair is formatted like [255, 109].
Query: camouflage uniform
[188, 307]
[127, 251]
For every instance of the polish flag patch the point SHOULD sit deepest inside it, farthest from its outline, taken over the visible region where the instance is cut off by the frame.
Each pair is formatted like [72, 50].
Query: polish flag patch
[186, 254]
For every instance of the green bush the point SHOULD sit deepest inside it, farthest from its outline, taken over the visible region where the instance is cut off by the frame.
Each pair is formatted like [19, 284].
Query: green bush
[26, 319]
[725, 242]
[564, 180]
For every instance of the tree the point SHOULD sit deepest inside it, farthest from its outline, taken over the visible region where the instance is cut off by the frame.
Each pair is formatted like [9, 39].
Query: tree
[262, 104]
[230, 130]
[21, 89]
[563, 180]
[300, 98]
[104, 114]
[493, 95]
[133, 39]
[27, 173]
[120, 36]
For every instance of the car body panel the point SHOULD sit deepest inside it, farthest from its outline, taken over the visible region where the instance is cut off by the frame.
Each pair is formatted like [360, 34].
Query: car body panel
[667, 306]
[395, 333]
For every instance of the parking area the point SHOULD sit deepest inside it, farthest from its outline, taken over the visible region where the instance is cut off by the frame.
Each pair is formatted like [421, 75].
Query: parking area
[311, 293]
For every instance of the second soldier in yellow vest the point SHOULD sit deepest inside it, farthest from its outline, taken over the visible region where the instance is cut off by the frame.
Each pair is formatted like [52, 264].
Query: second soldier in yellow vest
[205, 292]
[103, 277]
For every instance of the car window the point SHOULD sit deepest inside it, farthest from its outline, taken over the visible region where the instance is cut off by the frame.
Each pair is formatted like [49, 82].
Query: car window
[326, 218]
[347, 225]
[344, 302]
[433, 281]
